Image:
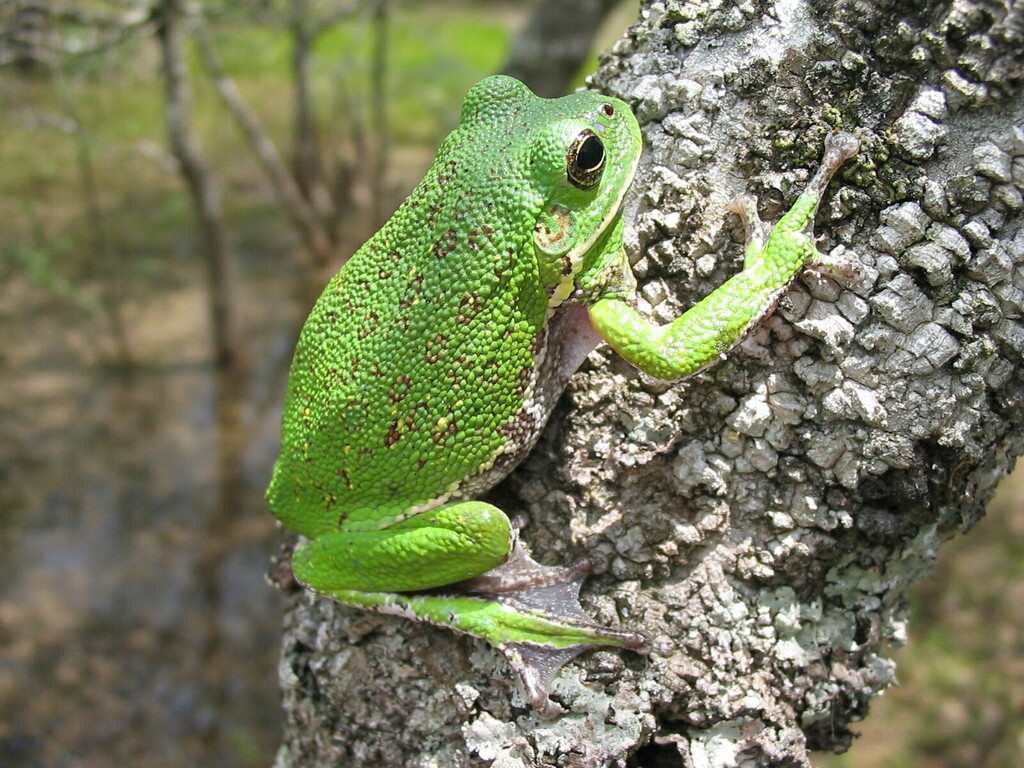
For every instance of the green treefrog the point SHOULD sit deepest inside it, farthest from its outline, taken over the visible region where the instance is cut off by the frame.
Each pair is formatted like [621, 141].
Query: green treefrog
[429, 365]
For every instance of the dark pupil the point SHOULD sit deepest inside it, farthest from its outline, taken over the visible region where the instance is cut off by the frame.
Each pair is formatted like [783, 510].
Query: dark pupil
[591, 154]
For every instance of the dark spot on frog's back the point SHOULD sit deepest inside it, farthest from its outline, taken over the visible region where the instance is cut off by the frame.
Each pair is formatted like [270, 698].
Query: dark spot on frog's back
[433, 214]
[435, 347]
[400, 426]
[491, 373]
[344, 475]
[439, 436]
[469, 307]
[479, 237]
[369, 325]
[502, 266]
[454, 374]
[412, 292]
[400, 389]
[446, 244]
[447, 173]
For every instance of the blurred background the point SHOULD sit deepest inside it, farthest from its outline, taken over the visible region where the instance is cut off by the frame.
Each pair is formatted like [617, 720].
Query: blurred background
[175, 187]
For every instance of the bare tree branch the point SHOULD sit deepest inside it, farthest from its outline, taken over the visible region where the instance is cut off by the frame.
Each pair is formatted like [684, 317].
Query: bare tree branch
[300, 211]
[37, 31]
[204, 190]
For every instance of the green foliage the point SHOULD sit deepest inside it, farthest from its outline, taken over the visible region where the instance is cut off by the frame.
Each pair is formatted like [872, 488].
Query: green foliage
[114, 102]
[40, 264]
[427, 75]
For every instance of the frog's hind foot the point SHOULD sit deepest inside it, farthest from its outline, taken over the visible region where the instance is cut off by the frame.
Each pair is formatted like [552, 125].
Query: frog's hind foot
[520, 572]
[560, 629]
[552, 590]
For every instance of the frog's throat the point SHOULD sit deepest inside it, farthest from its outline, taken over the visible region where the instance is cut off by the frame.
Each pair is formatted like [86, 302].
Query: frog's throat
[576, 256]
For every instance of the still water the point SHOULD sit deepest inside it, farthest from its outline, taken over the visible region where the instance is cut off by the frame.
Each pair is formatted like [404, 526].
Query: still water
[136, 625]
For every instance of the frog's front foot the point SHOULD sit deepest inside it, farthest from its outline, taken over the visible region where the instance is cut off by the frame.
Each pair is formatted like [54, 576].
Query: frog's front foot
[839, 147]
[755, 231]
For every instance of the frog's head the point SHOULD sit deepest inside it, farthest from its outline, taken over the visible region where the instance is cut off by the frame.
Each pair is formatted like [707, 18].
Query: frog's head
[584, 156]
[575, 157]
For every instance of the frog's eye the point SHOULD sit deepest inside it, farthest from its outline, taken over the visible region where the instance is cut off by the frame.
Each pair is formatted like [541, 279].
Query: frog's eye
[585, 160]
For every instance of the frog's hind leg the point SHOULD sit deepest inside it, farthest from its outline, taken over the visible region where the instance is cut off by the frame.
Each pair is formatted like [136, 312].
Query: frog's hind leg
[469, 550]
[457, 566]
[536, 643]
[428, 549]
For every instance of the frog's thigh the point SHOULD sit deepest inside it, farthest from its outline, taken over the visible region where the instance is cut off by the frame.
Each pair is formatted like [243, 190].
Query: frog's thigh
[429, 549]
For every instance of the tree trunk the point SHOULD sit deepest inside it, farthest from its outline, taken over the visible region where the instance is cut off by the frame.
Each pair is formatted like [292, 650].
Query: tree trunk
[202, 185]
[766, 519]
[551, 47]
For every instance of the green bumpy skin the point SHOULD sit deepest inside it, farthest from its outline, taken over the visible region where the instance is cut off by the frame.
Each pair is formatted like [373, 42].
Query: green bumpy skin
[427, 368]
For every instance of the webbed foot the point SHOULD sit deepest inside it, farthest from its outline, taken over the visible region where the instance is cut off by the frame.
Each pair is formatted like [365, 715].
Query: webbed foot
[529, 588]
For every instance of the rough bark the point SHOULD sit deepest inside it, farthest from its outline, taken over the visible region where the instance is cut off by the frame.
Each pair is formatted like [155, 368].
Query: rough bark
[766, 519]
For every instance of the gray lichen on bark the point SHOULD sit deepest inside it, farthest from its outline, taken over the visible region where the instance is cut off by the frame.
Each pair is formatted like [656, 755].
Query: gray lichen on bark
[764, 520]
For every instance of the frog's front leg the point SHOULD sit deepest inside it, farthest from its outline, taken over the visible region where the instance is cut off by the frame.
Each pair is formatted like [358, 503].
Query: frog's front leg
[719, 321]
[492, 589]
